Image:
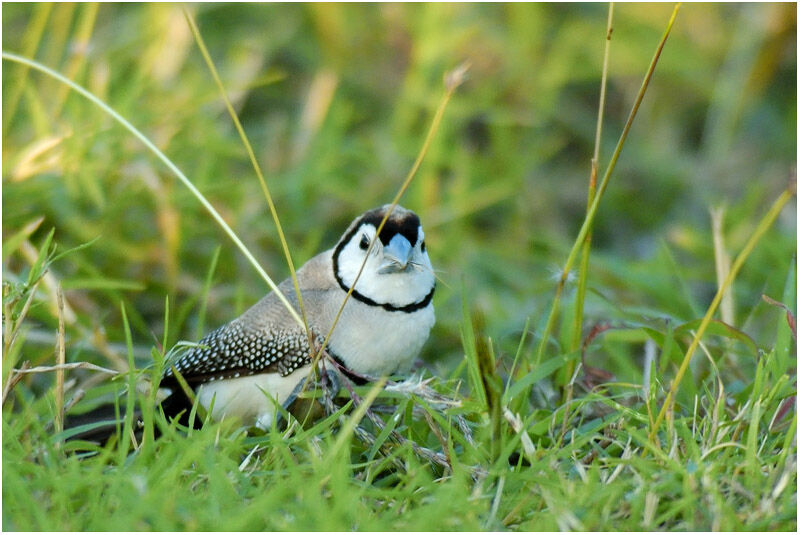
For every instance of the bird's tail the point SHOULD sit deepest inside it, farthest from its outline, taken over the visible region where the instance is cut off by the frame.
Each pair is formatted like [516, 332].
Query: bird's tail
[97, 425]
[105, 421]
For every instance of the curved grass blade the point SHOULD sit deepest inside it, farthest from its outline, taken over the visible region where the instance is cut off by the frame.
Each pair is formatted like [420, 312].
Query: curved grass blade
[161, 156]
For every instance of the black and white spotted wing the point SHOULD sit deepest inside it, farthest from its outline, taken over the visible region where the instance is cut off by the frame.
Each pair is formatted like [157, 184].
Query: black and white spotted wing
[232, 351]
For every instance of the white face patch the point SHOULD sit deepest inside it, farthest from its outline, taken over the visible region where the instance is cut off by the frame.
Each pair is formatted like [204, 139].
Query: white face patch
[386, 279]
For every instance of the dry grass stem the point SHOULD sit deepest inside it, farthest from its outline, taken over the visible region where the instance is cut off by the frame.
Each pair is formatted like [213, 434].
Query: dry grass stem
[722, 263]
[70, 366]
[14, 377]
[591, 212]
[452, 82]
[60, 360]
[254, 162]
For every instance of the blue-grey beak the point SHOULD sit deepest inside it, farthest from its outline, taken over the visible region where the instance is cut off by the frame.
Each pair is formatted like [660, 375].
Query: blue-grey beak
[396, 255]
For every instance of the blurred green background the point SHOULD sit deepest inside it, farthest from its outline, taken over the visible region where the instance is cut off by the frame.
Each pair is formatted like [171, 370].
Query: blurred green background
[336, 99]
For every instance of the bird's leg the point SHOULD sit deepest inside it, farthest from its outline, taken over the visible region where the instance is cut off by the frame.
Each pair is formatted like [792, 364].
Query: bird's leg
[329, 381]
[296, 392]
[309, 379]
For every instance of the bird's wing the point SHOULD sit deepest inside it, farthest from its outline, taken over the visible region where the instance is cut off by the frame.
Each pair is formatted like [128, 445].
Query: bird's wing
[265, 339]
[235, 351]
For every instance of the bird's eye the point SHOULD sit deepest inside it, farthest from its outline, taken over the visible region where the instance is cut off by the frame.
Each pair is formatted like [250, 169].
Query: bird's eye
[364, 243]
[423, 246]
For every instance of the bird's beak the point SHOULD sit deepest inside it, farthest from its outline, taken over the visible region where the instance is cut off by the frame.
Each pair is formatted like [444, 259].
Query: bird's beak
[396, 255]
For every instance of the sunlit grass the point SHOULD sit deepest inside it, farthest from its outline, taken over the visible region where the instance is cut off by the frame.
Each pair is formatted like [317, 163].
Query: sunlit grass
[336, 100]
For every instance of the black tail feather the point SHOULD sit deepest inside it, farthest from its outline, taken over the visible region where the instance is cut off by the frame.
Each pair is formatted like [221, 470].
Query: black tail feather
[105, 421]
[100, 423]
[177, 405]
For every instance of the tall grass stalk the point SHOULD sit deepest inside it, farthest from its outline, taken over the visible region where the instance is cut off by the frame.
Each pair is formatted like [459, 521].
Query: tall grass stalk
[763, 225]
[592, 211]
[452, 80]
[254, 161]
[583, 272]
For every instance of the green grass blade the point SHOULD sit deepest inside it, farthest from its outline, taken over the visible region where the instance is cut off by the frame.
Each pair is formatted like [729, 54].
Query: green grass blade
[130, 405]
[583, 272]
[592, 211]
[755, 238]
[161, 156]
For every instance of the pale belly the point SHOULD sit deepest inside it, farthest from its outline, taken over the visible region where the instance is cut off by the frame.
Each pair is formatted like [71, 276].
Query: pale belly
[252, 399]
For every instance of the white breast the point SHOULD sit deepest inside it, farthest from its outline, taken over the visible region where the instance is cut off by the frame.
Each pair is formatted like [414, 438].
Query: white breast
[374, 341]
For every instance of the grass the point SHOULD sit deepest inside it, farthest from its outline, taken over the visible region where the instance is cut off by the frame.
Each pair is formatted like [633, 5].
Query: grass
[642, 404]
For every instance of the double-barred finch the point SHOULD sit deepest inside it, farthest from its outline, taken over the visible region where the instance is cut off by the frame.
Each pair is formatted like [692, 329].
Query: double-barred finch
[257, 360]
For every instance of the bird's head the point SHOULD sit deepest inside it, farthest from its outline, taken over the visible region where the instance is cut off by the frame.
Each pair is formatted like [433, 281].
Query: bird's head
[397, 272]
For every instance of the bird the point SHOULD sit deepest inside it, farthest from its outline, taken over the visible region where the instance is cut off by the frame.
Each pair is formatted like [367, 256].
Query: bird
[248, 367]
